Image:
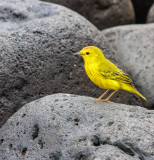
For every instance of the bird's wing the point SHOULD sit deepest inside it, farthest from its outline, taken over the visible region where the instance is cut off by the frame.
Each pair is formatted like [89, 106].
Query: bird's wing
[111, 71]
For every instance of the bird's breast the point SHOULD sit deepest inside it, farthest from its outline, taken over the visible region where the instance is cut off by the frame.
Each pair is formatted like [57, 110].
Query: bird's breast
[93, 73]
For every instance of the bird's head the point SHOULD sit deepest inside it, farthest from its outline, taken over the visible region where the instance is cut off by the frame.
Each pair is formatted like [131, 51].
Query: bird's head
[90, 53]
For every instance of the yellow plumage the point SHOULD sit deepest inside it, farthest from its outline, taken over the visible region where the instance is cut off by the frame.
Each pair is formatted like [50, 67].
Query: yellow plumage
[104, 73]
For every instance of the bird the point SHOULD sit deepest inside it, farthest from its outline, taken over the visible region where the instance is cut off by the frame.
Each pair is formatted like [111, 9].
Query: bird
[105, 74]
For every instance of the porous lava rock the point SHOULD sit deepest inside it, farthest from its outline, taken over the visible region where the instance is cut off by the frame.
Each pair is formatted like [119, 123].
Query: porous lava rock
[66, 127]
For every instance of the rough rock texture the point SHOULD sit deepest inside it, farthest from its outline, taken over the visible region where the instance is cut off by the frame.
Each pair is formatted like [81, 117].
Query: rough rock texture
[134, 48]
[150, 17]
[69, 127]
[37, 40]
[102, 13]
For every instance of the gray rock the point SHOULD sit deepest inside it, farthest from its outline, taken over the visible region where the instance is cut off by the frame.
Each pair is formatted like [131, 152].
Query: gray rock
[37, 40]
[102, 13]
[36, 51]
[70, 127]
[134, 48]
[150, 17]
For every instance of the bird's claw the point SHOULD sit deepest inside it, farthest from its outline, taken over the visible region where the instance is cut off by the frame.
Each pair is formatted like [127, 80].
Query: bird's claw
[104, 100]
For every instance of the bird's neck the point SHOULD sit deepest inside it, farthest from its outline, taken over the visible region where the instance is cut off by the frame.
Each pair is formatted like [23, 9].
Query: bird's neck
[91, 65]
[92, 61]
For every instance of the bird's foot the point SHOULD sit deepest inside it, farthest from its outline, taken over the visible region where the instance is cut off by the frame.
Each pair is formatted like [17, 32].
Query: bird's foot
[92, 99]
[104, 100]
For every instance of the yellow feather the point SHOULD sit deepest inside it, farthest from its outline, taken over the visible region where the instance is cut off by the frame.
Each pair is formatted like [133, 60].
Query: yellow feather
[104, 73]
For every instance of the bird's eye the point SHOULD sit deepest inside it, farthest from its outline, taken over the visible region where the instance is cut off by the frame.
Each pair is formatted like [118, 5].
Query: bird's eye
[87, 53]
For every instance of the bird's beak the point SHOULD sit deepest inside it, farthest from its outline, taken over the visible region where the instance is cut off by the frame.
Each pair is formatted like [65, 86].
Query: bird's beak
[77, 53]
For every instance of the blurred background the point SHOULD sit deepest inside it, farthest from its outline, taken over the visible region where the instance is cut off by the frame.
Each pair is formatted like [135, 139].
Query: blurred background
[109, 13]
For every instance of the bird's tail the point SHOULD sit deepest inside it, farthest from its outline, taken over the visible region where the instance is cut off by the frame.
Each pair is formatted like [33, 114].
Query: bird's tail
[135, 91]
[140, 95]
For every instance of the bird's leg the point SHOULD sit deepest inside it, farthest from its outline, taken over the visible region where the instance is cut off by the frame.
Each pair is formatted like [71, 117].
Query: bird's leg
[99, 99]
[107, 99]
[103, 94]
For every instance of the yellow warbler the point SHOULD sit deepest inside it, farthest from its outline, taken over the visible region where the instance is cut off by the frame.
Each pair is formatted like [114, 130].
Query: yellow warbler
[104, 73]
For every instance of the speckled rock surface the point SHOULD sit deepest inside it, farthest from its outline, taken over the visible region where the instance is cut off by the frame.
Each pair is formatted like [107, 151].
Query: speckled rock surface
[67, 127]
[36, 43]
[102, 13]
[150, 17]
[37, 40]
[134, 48]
